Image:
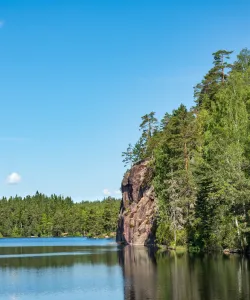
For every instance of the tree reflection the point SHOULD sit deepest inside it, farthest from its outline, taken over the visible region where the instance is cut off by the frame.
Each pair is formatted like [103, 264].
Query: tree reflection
[56, 256]
[177, 276]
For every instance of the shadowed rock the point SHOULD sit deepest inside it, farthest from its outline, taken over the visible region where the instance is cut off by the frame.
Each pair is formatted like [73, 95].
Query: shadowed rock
[136, 224]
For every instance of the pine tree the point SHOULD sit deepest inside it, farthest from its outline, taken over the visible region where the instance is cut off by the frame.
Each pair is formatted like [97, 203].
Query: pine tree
[205, 91]
[128, 156]
[173, 179]
[148, 126]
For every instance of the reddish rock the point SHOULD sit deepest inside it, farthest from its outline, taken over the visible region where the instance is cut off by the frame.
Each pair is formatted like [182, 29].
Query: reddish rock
[136, 224]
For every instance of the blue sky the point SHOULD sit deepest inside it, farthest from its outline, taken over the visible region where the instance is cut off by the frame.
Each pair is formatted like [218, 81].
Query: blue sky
[76, 77]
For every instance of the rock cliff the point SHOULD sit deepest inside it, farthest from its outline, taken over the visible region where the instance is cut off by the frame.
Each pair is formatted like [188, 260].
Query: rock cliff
[136, 224]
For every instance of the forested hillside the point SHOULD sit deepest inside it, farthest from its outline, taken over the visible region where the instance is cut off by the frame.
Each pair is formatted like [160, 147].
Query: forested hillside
[200, 161]
[40, 215]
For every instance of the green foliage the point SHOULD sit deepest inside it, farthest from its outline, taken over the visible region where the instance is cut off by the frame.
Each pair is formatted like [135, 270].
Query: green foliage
[164, 235]
[201, 161]
[148, 125]
[173, 181]
[243, 61]
[40, 215]
[128, 156]
[143, 148]
[205, 91]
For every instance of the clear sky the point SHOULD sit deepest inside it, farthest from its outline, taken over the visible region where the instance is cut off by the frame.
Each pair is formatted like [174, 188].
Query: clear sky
[76, 76]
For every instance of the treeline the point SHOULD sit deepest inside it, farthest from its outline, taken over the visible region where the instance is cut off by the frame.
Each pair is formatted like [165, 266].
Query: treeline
[40, 215]
[200, 161]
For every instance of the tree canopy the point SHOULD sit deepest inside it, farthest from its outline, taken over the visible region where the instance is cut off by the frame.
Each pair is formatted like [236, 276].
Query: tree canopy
[201, 161]
[41, 215]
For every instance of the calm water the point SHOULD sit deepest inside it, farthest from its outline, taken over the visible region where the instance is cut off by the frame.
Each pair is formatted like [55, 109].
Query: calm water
[78, 268]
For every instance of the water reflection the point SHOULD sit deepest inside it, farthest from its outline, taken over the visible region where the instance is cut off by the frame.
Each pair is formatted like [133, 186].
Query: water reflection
[178, 276]
[110, 272]
[56, 256]
[139, 272]
[91, 272]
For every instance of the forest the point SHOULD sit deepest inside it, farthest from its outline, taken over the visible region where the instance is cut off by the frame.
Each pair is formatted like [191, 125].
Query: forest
[40, 215]
[200, 161]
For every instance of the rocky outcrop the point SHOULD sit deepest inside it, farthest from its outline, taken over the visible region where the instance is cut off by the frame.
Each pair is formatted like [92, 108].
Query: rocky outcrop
[136, 224]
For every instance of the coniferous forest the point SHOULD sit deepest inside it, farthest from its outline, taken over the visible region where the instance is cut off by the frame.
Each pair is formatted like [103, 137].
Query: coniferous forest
[40, 215]
[200, 161]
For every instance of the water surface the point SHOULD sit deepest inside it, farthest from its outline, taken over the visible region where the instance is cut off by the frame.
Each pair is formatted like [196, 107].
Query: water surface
[78, 268]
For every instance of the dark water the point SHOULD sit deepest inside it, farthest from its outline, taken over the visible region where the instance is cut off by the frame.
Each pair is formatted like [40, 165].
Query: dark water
[77, 268]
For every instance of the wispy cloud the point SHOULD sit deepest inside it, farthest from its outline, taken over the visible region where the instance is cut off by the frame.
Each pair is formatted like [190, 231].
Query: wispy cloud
[1, 23]
[106, 192]
[13, 178]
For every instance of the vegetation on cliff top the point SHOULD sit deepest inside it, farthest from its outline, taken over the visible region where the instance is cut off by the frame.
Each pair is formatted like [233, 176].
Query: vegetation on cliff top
[201, 161]
[40, 215]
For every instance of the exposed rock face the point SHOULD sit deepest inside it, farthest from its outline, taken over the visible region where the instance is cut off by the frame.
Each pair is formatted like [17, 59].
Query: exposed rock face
[136, 224]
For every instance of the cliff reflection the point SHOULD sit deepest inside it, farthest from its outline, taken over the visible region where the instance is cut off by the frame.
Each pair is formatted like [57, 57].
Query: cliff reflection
[178, 276]
[139, 272]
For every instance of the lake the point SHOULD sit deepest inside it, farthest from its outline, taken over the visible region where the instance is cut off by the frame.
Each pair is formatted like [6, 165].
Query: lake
[80, 268]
